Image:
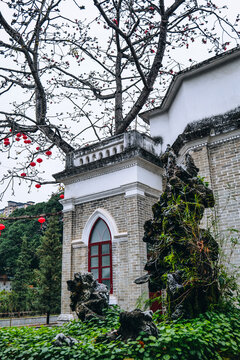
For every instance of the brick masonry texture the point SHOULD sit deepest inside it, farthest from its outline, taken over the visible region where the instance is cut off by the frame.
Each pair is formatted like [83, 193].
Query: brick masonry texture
[220, 165]
[129, 254]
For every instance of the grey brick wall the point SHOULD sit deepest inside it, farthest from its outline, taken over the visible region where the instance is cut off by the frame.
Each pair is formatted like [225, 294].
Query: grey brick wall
[219, 163]
[129, 254]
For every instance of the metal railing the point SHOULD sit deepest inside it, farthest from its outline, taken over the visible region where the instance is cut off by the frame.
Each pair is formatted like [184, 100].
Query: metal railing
[17, 314]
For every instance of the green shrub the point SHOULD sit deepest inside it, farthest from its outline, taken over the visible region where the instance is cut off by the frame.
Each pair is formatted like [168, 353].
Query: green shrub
[211, 336]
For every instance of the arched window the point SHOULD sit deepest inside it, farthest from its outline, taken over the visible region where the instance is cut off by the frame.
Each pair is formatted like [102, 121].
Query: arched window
[100, 253]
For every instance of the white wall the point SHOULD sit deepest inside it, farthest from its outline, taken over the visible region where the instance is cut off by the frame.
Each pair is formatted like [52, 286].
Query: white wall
[104, 181]
[204, 95]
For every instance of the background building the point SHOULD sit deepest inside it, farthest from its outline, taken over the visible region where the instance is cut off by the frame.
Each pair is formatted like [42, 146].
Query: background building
[13, 205]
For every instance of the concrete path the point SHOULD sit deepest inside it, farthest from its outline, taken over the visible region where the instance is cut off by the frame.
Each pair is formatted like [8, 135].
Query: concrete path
[34, 320]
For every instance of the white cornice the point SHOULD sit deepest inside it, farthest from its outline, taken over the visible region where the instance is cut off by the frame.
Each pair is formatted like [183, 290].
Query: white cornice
[114, 168]
[211, 140]
[127, 190]
[98, 172]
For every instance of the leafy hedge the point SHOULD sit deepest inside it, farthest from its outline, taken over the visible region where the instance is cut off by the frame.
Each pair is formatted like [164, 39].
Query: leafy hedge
[214, 335]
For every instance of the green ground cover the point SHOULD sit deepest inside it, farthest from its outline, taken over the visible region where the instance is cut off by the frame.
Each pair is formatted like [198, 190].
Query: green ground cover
[213, 335]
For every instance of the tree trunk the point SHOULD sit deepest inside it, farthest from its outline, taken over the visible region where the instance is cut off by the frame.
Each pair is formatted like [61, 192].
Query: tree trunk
[48, 318]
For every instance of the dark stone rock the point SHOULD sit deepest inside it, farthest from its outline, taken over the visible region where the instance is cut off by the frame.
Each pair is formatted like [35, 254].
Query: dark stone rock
[142, 280]
[132, 324]
[63, 340]
[182, 256]
[88, 296]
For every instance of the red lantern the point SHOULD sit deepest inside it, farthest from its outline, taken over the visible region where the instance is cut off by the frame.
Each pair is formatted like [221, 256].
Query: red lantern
[32, 163]
[2, 227]
[41, 220]
[39, 160]
[61, 196]
[37, 186]
[23, 174]
[48, 153]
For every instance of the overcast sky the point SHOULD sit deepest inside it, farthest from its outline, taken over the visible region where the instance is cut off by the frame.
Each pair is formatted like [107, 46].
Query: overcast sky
[54, 165]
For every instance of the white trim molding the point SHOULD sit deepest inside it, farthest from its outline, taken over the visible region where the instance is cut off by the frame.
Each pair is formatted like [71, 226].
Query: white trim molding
[68, 205]
[109, 220]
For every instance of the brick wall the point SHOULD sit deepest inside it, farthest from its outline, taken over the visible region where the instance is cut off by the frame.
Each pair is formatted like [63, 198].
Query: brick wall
[219, 163]
[129, 253]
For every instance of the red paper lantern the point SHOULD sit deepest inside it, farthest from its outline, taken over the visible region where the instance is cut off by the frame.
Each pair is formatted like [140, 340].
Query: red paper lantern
[32, 163]
[48, 153]
[61, 196]
[2, 227]
[39, 160]
[37, 186]
[23, 174]
[41, 220]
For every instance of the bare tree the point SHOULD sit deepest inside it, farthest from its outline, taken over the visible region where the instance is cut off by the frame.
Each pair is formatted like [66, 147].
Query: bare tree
[56, 67]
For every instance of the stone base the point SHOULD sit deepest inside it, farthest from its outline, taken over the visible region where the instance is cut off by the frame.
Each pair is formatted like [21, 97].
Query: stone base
[65, 318]
[112, 300]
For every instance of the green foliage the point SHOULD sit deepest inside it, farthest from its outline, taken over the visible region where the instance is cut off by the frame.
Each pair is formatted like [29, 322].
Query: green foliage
[20, 259]
[229, 272]
[180, 245]
[5, 301]
[23, 278]
[11, 238]
[49, 274]
[211, 336]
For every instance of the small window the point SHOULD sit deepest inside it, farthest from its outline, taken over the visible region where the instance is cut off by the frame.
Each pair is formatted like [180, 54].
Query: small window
[100, 253]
